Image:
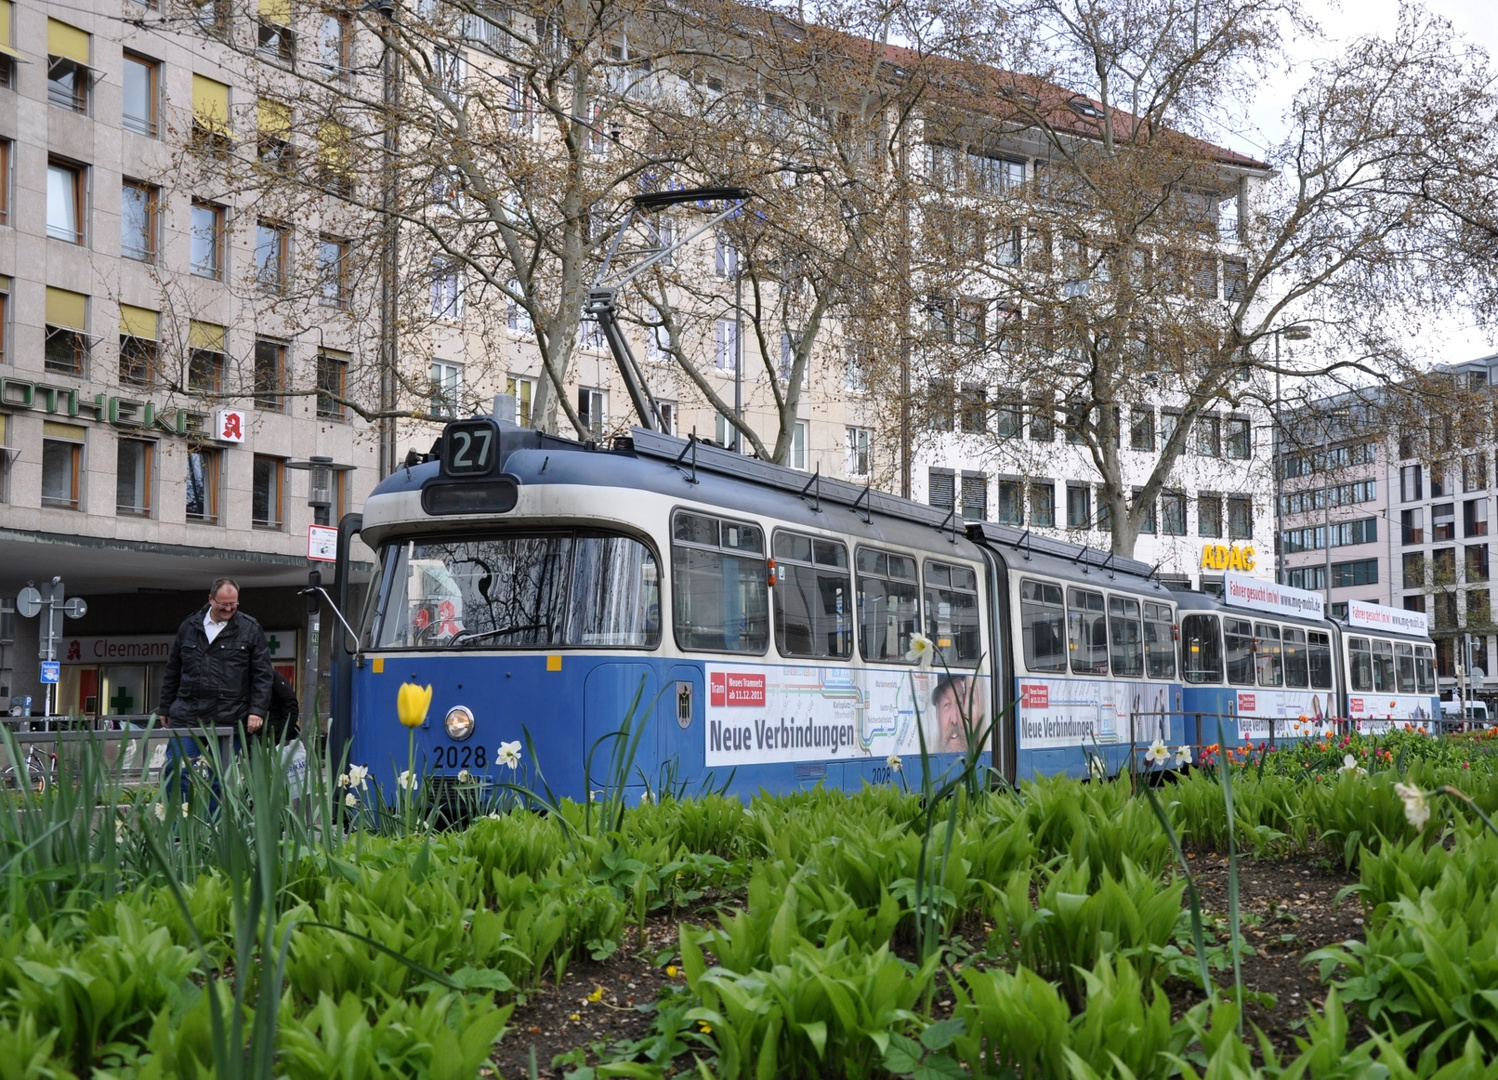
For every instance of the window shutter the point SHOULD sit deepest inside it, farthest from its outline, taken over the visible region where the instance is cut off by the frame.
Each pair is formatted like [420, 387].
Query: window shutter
[66, 41]
[138, 322]
[210, 104]
[206, 336]
[975, 496]
[942, 489]
[65, 309]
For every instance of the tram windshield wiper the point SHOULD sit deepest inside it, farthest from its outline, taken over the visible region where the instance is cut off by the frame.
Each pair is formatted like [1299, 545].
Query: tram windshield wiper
[467, 636]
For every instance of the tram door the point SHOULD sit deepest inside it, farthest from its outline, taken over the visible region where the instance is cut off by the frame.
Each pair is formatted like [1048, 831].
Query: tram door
[608, 692]
[681, 715]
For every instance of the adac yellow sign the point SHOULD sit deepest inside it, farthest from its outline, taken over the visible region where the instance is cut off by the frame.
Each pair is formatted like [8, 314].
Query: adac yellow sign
[1227, 557]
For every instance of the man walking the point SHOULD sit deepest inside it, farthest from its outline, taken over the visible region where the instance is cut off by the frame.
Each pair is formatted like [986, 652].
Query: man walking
[218, 672]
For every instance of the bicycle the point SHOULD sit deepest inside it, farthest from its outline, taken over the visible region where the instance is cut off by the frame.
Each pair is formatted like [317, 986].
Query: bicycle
[41, 770]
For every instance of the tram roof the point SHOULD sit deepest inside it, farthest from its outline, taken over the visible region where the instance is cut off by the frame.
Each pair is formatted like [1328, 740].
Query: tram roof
[1070, 561]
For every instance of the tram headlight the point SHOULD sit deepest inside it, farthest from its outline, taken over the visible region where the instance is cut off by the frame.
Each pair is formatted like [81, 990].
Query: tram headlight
[458, 722]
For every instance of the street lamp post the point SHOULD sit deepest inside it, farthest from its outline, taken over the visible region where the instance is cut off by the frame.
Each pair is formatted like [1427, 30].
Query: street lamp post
[1295, 332]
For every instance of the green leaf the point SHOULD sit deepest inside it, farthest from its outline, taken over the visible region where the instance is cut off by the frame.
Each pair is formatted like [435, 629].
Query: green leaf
[939, 1036]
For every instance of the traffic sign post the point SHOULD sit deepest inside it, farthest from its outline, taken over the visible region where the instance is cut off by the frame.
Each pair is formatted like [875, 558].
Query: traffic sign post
[47, 600]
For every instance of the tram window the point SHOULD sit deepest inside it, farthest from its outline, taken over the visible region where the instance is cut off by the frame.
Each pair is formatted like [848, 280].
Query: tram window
[1238, 637]
[1297, 667]
[1088, 629]
[889, 604]
[521, 591]
[1125, 636]
[1425, 670]
[1042, 625]
[1320, 650]
[1201, 649]
[1159, 642]
[720, 582]
[1404, 668]
[1268, 661]
[813, 597]
[952, 613]
[1383, 667]
[1360, 660]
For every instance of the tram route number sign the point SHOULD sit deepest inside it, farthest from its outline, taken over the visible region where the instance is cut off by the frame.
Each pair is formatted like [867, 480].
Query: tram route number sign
[470, 447]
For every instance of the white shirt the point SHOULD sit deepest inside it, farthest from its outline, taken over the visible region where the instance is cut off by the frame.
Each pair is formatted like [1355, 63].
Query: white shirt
[211, 628]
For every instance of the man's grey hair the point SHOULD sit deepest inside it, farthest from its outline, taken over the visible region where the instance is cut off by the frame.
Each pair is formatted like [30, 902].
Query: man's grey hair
[219, 583]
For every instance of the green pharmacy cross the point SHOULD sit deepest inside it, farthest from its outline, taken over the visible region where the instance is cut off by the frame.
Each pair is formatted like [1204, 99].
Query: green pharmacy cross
[121, 702]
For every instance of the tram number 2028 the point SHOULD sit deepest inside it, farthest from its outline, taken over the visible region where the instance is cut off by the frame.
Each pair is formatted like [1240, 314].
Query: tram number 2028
[460, 757]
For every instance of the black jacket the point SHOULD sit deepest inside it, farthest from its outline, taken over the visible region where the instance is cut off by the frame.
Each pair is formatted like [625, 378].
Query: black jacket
[221, 683]
[284, 718]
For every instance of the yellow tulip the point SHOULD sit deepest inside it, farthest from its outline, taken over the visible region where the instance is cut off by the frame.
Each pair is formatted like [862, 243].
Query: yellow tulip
[412, 703]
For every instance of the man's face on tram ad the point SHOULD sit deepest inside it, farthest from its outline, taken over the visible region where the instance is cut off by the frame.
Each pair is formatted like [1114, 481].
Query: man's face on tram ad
[953, 700]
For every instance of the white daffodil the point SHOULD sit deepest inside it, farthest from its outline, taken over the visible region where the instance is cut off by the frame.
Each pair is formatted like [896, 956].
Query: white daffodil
[494, 815]
[508, 754]
[463, 776]
[1095, 767]
[1184, 753]
[894, 762]
[645, 797]
[343, 780]
[119, 832]
[358, 776]
[407, 780]
[1416, 809]
[351, 800]
[160, 810]
[921, 650]
[1350, 764]
[1157, 753]
[186, 810]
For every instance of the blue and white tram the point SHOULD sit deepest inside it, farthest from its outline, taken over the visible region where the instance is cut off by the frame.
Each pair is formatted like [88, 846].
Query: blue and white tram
[1390, 664]
[762, 616]
[1089, 641]
[1261, 656]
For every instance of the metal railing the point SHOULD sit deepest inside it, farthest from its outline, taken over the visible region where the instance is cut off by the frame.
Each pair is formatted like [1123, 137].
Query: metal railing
[137, 748]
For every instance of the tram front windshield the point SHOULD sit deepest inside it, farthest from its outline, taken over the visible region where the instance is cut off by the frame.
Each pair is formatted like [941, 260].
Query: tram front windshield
[517, 591]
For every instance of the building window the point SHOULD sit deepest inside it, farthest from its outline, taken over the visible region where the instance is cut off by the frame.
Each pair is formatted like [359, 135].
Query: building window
[798, 434]
[62, 464]
[67, 66]
[593, 409]
[65, 201]
[1009, 417]
[1345, 575]
[333, 46]
[6, 149]
[1443, 567]
[1142, 429]
[335, 158]
[447, 293]
[1208, 436]
[4, 327]
[1414, 570]
[138, 337]
[1011, 501]
[725, 257]
[138, 218]
[1474, 472]
[8, 54]
[132, 483]
[1237, 439]
[65, 348]
[138, 109]
[1240, 518]
[266, 496]
[941, 488]
[1479, 613]
[590, 335]
[725, 344]
[1147, 525]
[270, 374]
[856, 369]
[522, 388]
[1173, 513]
[1475, 517]
[332, 272]
[207, 245]
[205, 361]
[1209, 516]
[273, 136]
[332, 383]
[447, 381]
[1043, 506]
[1439, 480]
[975, 496]
[1312, 578]
[972, 408]
[1412, 525]
[202, 488]
[271, 243]
[1078, 506]
[1477, 562]
[211, 133]
[1409, 484]
[1443, 521]
[1042, 419]
[859, 459]
[275, 41]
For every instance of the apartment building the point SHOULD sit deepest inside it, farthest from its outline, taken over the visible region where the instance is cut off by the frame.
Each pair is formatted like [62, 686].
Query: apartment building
[158, 411]
[1378, 516]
